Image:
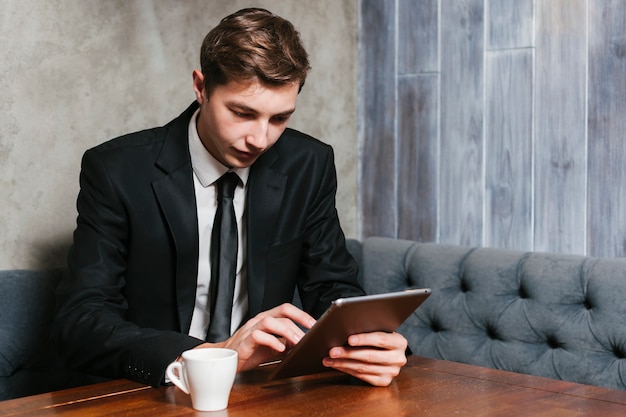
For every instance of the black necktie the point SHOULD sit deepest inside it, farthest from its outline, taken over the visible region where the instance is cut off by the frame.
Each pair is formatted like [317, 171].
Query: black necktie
[223, 259]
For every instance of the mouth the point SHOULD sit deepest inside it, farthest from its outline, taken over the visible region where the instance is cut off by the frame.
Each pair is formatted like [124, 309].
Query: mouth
[247, 156]
[242, 159]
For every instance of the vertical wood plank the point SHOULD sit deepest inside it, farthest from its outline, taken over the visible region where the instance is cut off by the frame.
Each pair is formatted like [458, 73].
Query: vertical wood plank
[377, 113]
[509, 24]
[418, 37]
[560, 128]
[607, 126]
[508, 149]
[508, 124]
[461, 171]
[418, 115]
[418, 140]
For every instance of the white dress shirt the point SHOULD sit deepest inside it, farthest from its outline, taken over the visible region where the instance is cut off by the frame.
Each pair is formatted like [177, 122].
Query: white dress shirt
[206, 171]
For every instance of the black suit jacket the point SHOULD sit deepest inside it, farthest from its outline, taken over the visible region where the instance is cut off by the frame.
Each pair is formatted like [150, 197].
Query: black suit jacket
[125, 308]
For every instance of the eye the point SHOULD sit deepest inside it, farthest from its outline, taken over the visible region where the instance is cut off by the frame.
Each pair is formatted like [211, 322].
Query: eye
[241, 114]
[280, 119]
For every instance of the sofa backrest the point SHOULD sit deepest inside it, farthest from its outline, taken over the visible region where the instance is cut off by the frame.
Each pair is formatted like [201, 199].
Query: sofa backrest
[553, 315]
[29, 363]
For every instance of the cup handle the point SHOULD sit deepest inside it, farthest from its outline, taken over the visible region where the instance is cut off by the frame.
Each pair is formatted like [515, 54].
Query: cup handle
[174, 376]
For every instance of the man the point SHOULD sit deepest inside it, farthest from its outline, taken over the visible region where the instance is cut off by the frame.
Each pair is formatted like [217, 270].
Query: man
[139, 288]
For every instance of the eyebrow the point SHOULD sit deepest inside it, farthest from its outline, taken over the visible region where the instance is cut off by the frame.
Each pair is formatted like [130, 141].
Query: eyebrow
[247, 109]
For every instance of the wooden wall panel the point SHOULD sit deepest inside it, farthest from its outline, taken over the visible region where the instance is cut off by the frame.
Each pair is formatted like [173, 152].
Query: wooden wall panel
[418, 118]
[377, 92]
[607, 127]
[417, 179]
[560, 128]
[461, 166]
[501, 124]
[510, 24]
[508, 149]
[418, 32]
[508, 124]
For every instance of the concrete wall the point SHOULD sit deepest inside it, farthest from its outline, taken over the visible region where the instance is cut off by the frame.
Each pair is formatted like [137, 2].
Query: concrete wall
[74, 73]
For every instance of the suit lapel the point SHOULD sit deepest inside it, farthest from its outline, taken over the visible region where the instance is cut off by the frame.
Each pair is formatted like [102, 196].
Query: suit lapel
[176, 196]
[266, 188]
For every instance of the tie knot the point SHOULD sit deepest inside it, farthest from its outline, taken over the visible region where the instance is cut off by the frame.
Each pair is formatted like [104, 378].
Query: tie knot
[226, 185]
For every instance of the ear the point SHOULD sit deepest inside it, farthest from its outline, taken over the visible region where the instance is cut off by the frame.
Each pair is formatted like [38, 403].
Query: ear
[198, 86]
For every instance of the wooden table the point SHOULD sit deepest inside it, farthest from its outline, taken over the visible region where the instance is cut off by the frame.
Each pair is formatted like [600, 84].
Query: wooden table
[426, 387]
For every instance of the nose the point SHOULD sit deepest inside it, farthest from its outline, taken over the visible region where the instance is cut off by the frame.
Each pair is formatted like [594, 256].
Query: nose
[258, 136]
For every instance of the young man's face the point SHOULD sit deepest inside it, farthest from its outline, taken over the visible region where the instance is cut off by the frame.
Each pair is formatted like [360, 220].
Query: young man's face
[240, 121]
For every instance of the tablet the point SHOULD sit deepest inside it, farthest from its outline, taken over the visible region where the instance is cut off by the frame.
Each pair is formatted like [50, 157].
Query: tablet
[347, 316]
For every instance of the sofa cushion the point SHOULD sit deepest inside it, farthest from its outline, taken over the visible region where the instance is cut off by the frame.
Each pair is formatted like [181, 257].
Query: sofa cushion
[27, 305]
[553, 315]
[29, 362]
[355, 247]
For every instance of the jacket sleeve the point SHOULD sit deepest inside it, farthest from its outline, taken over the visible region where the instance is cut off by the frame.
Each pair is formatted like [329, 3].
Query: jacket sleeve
[328, 270]
[91, 326]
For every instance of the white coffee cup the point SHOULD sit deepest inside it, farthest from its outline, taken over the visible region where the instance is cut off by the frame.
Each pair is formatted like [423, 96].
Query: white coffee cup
[207, 375]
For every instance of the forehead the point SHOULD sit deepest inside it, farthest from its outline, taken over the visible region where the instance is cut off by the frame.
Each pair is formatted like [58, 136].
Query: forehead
[257, 96]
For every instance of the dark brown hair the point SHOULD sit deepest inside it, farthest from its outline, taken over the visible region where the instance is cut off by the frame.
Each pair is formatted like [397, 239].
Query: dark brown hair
[253, 44]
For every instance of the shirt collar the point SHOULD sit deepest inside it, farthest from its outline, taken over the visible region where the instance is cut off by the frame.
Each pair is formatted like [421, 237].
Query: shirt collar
[205, 166]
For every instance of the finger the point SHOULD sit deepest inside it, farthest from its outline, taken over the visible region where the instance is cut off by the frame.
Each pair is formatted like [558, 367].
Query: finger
[293, 313]
[254, 347]
[377, 375]
[280, 327]
[381, 340]
[374, 356]
[262, 338]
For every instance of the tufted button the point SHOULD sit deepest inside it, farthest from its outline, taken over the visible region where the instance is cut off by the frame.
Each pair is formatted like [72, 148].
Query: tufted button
[464, 285]
[587, 304]
[553, 342]
[492, 333]
[618, 351]
[522, 292]
[435, 326]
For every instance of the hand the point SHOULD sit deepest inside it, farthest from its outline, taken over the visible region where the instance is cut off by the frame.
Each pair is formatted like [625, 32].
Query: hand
[375, 358]
[266, 335]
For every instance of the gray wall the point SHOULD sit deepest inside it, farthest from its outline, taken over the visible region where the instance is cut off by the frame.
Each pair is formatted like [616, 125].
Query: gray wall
[74, 73]
[494, 123]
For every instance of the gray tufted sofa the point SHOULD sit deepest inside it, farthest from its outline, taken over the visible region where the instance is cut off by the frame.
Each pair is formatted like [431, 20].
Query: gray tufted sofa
[553, 315]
